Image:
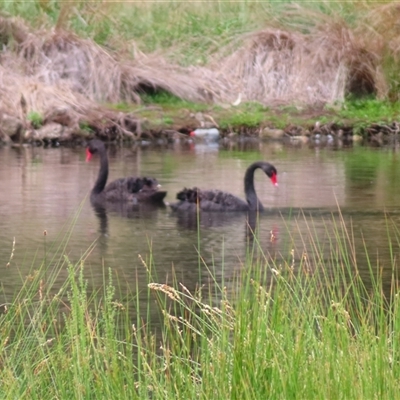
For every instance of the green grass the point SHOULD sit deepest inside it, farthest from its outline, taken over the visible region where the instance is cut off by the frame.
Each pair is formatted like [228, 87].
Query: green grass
[361, 113]
[191, 31]
[358, 113]
[170, 102]
[35, 118]
[300, 326]
[250, 115]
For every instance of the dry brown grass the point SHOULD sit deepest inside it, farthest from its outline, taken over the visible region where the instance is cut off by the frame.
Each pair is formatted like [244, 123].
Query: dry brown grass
[322, 65]
[318, 59]
[58, 73]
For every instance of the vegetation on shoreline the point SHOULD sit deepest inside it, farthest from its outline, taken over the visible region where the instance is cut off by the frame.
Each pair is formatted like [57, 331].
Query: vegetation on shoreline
[356, 115]
[301, 326]
[250, 65]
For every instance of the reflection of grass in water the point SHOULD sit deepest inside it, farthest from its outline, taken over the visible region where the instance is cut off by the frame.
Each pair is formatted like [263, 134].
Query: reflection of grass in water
[368, 169]
[363, 166]
[303, 325]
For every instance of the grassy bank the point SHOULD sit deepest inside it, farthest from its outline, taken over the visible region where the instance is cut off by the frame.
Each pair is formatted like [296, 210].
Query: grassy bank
[248, 64]
[299, 326]
[365, 117]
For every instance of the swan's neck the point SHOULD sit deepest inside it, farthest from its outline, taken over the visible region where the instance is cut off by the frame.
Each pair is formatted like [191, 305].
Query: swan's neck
[251, 195]
[103, 174]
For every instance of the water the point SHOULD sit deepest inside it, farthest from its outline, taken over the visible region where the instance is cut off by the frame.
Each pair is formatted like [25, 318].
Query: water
[43, 189]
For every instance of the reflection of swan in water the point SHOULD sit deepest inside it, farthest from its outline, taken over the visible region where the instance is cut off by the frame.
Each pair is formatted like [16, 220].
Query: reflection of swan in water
[130, 190]
[101, 214]
[112, 218]
[215, 200]
[252, 226]
[139, 211]
[209, 220]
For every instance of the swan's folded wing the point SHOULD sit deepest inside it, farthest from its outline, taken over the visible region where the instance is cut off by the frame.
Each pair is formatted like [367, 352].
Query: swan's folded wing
[132, 184]
[188, 195]
[208, 200]
[221, 201]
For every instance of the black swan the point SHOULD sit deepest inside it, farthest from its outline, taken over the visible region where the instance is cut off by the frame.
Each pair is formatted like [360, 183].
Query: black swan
[216, 200]
[130, 190]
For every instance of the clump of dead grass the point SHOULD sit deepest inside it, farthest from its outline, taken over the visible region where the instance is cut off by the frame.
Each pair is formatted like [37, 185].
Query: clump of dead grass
[319, 63]
[61, 77]
[56, 72]
[304, 56]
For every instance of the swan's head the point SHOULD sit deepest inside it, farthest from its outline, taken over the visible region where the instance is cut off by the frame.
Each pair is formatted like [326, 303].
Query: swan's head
[93, 147]
[272, 173]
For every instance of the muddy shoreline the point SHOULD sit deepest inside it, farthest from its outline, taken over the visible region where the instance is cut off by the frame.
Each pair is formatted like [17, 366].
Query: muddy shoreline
[57, 131]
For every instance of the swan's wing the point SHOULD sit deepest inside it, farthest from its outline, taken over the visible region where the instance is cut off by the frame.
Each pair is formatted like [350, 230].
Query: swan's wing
[188, 195]
[221, 201]
[133, 184]
[116, 190]
[136, 185]
[208, 200]
[133, 188]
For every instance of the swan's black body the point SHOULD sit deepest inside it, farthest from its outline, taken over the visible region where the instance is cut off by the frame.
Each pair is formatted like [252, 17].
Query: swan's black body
[216, 200]
[130, 190]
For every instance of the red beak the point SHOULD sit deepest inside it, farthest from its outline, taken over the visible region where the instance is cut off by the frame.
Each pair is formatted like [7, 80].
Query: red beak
[274, 179]
[88, 155]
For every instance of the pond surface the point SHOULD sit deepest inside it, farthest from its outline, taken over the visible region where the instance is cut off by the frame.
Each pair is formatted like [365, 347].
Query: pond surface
[47, 190]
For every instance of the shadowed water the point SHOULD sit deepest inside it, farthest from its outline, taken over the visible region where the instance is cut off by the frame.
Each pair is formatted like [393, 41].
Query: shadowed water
[44, 189]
